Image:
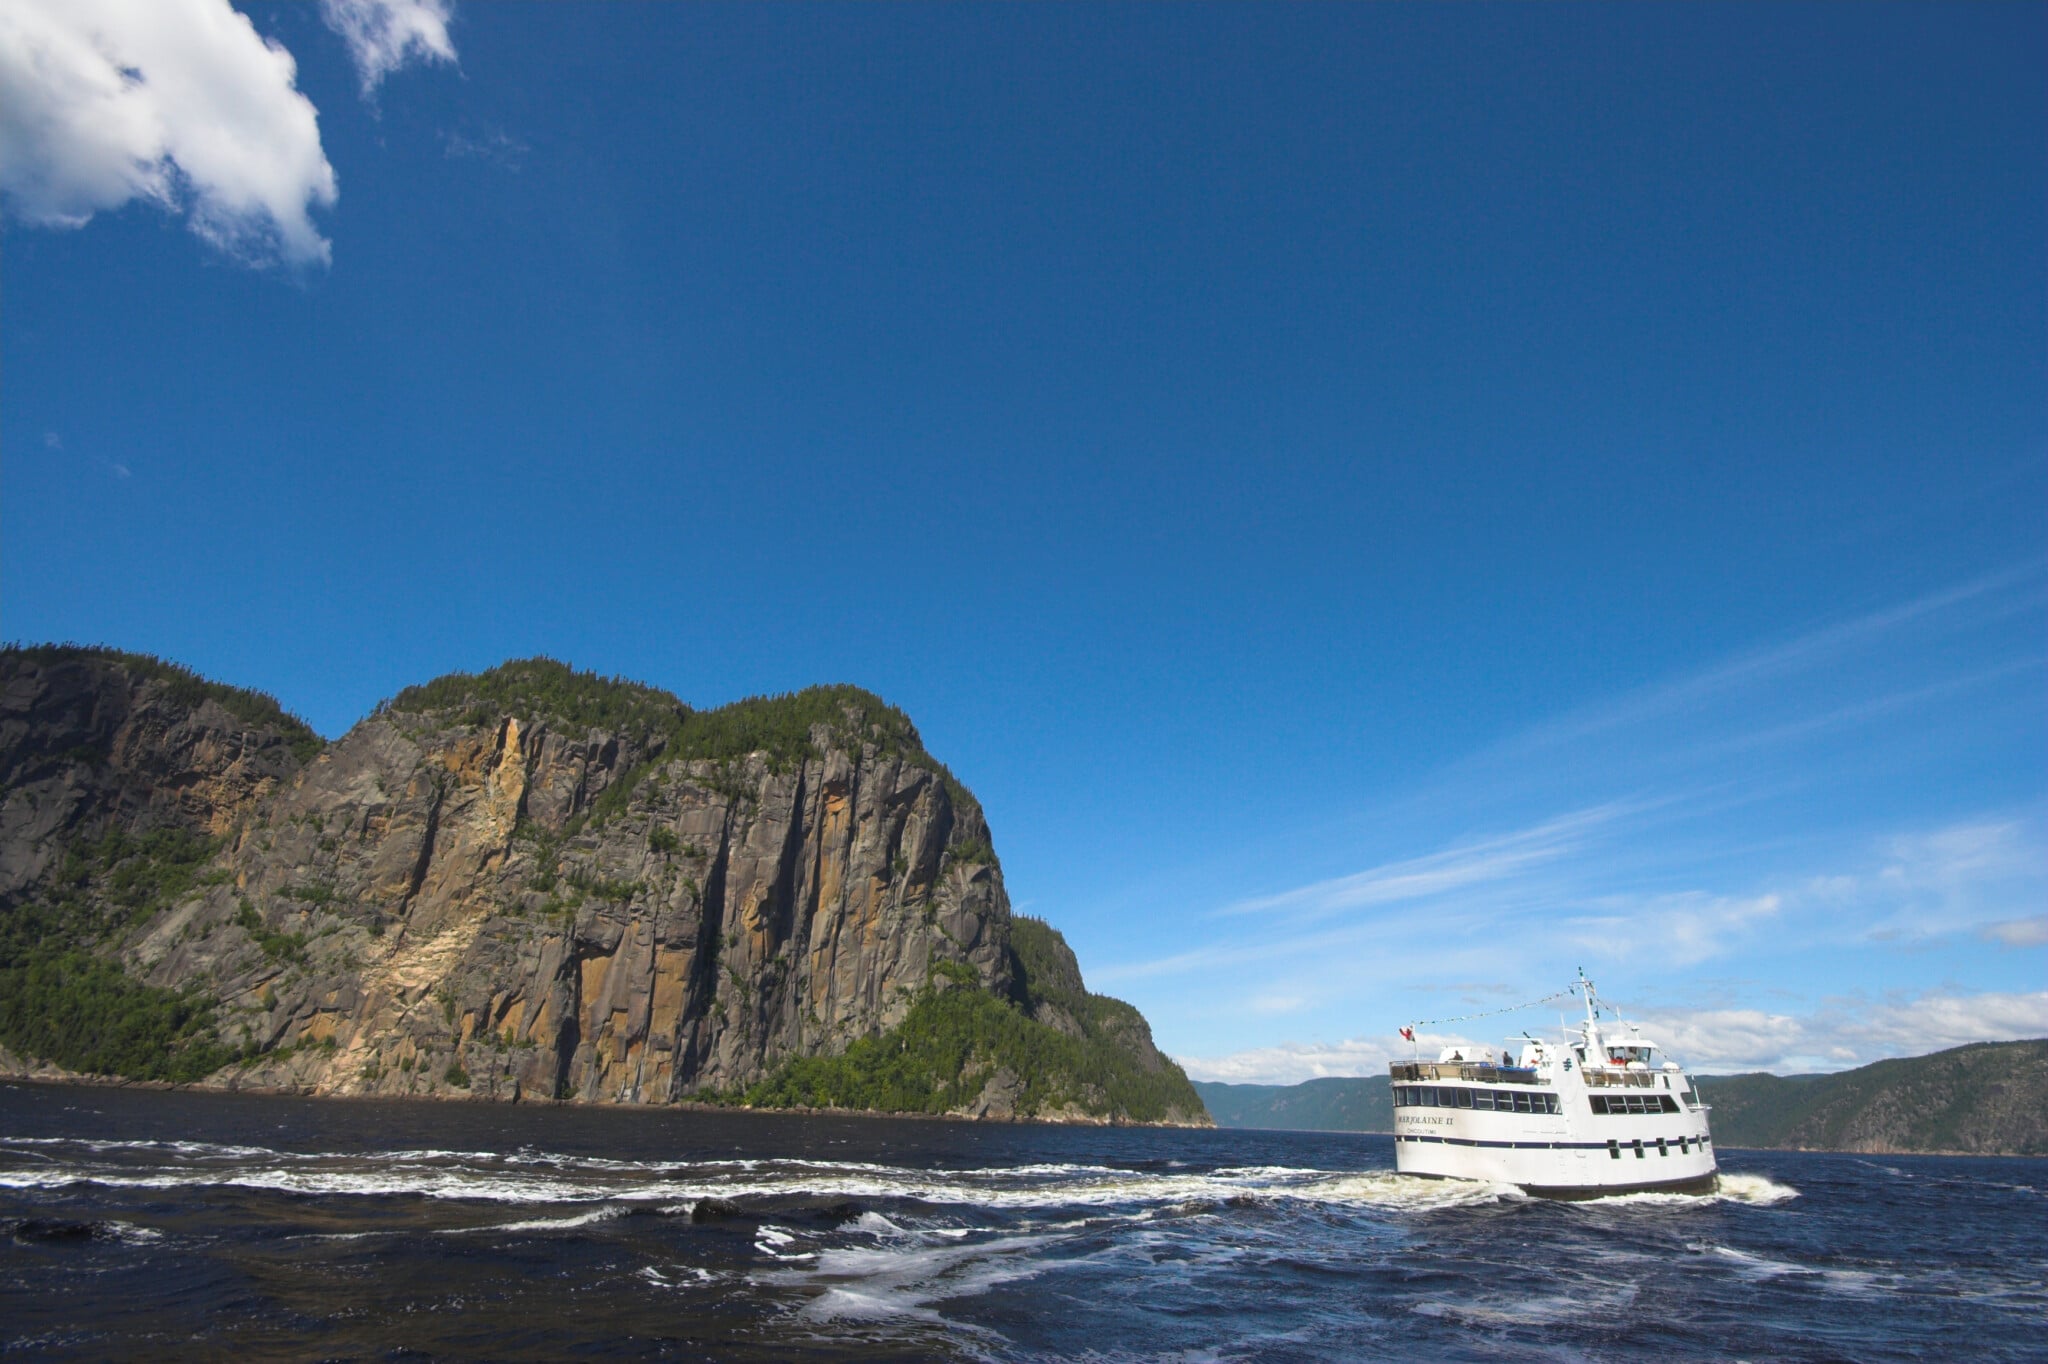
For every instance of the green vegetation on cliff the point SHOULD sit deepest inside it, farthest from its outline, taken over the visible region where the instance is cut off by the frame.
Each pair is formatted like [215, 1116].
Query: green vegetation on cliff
[779, 726]
[63, 1003]
[958, 1038]
[86, 1014]
[1986, 1098]
[184, 687]
[546, 688]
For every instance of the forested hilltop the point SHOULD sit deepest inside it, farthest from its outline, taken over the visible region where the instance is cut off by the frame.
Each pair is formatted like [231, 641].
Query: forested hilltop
[528, 883]
[1989, 1098]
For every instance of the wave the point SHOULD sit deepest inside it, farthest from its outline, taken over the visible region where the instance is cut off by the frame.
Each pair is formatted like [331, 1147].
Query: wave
[1755, 1190]
[542, 1178]
[530, 1176]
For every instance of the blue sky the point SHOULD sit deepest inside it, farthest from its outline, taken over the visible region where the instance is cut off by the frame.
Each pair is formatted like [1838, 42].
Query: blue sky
[1385, 505]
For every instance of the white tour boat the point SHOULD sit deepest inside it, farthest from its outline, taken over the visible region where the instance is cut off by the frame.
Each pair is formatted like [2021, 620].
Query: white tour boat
[1603, 1113]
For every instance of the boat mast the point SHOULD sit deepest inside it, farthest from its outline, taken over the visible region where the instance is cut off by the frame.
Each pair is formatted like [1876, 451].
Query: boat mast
[1594, 1045]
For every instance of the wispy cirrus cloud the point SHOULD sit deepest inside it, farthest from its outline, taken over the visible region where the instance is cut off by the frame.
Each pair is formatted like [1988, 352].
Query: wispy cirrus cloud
[493, 145]
[1682, 926]
[1453, 868]
[2017, 586]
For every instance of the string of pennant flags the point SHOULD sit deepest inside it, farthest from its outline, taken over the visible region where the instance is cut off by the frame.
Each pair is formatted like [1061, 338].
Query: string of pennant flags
[1408, 1033]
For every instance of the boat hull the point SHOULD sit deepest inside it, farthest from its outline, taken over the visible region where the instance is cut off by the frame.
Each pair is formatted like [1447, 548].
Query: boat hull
[1574, 1193]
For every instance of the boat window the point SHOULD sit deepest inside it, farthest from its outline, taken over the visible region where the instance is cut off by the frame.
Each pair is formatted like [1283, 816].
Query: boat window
[1464, 1098]
[1551, 1105]
[1670, 1104]
[1613, 1149]
[1682, 1145]
[1482, 1099]
[1662, 1150]
[1522, 1104]
[1639, 1148]
[1599, 1103]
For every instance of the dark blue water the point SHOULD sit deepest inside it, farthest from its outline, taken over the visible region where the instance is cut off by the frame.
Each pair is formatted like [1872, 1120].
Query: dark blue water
[148, 1224]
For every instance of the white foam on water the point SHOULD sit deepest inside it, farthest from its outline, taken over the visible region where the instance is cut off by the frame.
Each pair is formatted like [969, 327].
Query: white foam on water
[185, 1148]
[1754, 1190]
[1386, 1189]
[1574, 1304]
[903, 1281]
[1749, 1265]
[541, 1223]
[771, 1240]
[133, 1235]
[537, 1178]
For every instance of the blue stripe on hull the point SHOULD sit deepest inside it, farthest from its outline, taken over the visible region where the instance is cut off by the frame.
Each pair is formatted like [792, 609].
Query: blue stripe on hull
[1648, 1142]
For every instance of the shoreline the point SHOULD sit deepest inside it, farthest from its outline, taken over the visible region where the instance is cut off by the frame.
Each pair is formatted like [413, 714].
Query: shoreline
[54, 1077]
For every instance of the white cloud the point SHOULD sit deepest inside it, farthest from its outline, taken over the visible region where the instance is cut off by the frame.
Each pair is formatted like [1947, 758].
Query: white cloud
[383, 35]
[1846, 1033]
[2018, 932]
[1840, 1035]
[176, 102]
[1291, 1062]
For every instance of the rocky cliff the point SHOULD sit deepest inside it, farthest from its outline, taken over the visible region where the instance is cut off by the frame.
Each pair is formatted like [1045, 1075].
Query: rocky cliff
[526, 883]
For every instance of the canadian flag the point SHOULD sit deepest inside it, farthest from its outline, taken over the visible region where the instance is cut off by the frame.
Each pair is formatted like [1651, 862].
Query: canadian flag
[1408, 1034]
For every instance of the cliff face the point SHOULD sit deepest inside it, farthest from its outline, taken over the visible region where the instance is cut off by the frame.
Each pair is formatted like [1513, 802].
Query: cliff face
[85, 745]
[530, 883]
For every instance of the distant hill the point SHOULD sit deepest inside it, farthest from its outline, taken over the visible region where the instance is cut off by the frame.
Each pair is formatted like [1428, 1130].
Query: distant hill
[1332, 1104]
[1989, 1098]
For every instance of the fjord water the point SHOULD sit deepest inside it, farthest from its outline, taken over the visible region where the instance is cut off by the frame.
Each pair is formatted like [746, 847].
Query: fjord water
[153, 1224]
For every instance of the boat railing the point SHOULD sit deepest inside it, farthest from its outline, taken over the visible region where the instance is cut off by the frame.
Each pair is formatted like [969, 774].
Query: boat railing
[1598, 1078]
[1483, 1072]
